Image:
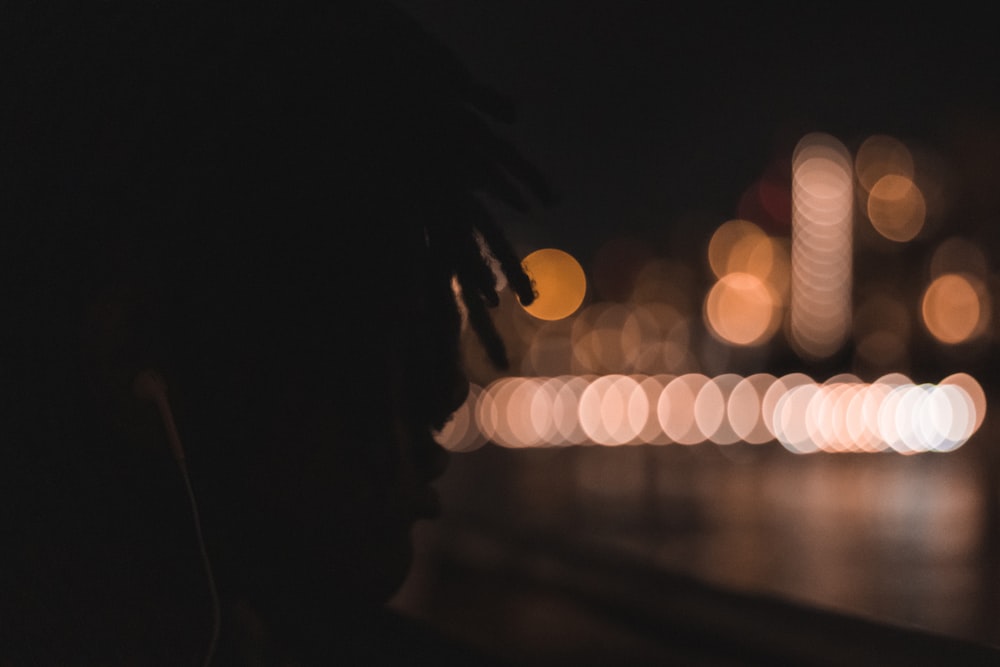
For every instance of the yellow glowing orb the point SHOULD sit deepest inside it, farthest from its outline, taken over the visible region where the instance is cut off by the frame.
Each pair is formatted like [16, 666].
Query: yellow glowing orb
[953, 307]
[559, 283]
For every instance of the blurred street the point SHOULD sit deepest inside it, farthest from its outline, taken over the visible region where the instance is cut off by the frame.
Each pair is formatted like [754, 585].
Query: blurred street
[555, 551]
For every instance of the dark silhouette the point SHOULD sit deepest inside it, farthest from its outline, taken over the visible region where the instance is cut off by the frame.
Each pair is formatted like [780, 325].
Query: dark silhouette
[266, 203]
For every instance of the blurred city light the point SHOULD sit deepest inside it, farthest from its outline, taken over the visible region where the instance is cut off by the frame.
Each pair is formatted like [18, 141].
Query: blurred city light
[742, 310]
[953, 308]
[881, 155]
[840, 415]
[896, 207]
[822, 220]
[634, 368]
[559, 282]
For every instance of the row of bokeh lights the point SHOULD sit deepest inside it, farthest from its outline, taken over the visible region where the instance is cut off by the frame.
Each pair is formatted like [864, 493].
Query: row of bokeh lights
[840, 415]
[640, 350]
[760, 275]
[763, 279]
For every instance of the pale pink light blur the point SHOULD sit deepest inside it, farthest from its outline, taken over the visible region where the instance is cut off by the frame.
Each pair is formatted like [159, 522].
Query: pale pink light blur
[880, 155]
[793, 427]
[896, 208]
[774, 394]
[744, 408]
[710, 409]
[841, 415]
[822, 207]
[974, 391]
[568, 408]
[675, 409]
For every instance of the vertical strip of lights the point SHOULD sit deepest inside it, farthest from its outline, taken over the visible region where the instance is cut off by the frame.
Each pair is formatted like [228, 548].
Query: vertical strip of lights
[822, 219]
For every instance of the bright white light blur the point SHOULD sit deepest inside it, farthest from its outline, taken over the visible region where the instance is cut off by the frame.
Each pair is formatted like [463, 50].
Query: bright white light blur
[792, 425]
[775, 392]
[591, 414]
[950, 417]
[542, 411]
[888, 426]
[841, 415]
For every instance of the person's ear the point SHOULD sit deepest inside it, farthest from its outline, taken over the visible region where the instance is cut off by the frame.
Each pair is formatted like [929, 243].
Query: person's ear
[115, 348]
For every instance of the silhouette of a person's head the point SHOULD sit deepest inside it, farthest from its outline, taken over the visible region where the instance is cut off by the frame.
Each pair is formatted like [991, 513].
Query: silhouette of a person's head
[273, 204]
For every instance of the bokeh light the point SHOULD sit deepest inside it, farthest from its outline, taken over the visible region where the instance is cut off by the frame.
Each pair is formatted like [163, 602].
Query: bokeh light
[745, 408]
[959, 255]
[896, 207]
[841, 415]
[974, 391]
[822, 219]
[739, 245]
[710, 409]
[954, 308]
[742, 310]
[881, 155]
[559, 282]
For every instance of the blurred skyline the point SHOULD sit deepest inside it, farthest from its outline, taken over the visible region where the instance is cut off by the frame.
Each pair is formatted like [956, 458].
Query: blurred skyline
[656, 126]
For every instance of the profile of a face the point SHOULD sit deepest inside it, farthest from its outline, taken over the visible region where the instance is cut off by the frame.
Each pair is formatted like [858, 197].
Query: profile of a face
[310, 423]
[274, 230]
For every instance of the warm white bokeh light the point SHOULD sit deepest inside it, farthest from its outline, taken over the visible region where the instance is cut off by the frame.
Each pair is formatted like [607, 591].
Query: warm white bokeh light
[676, 408]
[896, 208]
[745, 408]
[974, 391]
[822, 219]
[710, 409]
[953, 308]
[880, 155]
[740, 309]
[841, 415]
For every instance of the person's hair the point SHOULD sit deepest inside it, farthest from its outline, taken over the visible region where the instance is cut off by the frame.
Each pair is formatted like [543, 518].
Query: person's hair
[158, 147]
[195, 156]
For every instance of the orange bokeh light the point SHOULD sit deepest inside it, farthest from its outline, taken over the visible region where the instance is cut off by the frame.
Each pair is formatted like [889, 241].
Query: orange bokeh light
[880, 155]
[953, 307]
[896, 207]
[559, 281]
[742, 310]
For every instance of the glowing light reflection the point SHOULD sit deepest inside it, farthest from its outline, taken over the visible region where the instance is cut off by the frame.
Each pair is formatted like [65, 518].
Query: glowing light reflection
[840, 415]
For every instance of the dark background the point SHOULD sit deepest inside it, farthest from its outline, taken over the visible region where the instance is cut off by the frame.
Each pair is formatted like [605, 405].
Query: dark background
[651, 118]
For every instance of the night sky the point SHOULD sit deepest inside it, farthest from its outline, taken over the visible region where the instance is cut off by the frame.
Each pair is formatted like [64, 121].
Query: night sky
[652, 121]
